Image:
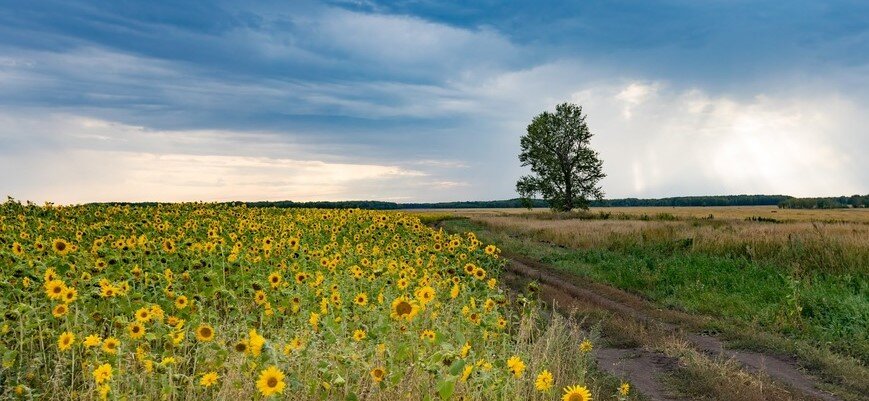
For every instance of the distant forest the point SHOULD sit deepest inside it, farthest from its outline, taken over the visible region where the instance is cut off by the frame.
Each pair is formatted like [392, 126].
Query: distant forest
[782, 201]
[726, 200]
[825, 203]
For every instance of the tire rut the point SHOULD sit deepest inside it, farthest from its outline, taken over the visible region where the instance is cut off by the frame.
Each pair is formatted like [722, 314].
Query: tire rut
[642, 367]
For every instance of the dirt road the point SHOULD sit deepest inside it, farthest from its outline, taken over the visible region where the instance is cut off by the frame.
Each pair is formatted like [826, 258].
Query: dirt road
[641, 364]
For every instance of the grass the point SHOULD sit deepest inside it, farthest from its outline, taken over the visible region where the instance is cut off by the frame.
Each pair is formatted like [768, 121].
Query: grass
[819, 316]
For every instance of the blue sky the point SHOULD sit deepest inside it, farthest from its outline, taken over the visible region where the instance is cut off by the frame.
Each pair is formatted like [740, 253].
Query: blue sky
[426, 100]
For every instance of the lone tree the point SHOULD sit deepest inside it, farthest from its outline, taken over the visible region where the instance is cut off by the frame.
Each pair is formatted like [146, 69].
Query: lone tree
[565, 171]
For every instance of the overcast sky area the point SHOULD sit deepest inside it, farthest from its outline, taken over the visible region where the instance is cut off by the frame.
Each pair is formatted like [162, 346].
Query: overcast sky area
[426, 100]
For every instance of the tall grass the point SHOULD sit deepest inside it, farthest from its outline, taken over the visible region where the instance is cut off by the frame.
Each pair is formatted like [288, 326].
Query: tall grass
[802, 279]
[836, 248]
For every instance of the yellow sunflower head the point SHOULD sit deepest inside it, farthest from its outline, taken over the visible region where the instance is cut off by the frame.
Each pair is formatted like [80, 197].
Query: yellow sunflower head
[576, 393]
[404, 309]
[204, 333]
[271, 381]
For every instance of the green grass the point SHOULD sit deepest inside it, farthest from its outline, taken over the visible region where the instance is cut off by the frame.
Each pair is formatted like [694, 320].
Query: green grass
[827, 310]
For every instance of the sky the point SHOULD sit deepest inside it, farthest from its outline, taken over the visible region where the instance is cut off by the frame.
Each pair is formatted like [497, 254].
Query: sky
[421, 101]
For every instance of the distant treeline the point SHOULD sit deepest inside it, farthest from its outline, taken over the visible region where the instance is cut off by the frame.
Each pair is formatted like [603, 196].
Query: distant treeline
[825, 203]
[783, 201]
[723, 200]
[378, 205]
[726, 200]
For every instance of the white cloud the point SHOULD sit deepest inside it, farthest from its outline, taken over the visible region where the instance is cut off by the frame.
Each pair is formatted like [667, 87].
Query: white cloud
[688, 142]
[74, 159]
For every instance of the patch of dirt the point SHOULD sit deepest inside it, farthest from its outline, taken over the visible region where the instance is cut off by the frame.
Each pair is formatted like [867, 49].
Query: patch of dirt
[641, 367]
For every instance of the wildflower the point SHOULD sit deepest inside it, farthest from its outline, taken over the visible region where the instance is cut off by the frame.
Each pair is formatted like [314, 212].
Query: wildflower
[92, 340]
[59, 310]
[404, 309]
[585, 346]
[361, 299]
[466, 372]
[136, 330]
[204, 333]
[544, 381]
[576, 393]
[102, 373]
[181, 302]
[111, 344]
[65, 341]
[255, 342]
[271, 381]
[378, 374]
[54, 289]
[143, 315]
[208, 379]
[624, 389]
[516, 366]
[275, 279]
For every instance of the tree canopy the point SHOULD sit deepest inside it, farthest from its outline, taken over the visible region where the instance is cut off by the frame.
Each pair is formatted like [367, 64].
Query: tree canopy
[565, 170]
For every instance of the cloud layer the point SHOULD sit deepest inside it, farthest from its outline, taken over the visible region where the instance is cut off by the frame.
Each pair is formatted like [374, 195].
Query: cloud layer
[420, 102]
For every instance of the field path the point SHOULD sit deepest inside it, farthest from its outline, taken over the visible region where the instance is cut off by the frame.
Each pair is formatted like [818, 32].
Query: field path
[642, 367]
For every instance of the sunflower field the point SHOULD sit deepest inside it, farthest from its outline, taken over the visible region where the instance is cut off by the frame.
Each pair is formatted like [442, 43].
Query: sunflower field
[216, 301]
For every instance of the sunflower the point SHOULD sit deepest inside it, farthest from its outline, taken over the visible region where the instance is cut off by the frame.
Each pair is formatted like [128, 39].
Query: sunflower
[136, 330]
[378, 374]
[294, 345]
[54, 289]
[102, 373]
[59, 310]
[60, 246]
[241, 346]
[69, 295]
[479, 274]
[208, 379]
[169, 246]
[204, 333]
[17, 249]
[181, 302]
[275, 279]
[466, 373]
[111, 344]
[143, 315]
[359, 334]
[108, 291]
[361, 299]
[491, 249]
[255, 342]
[404, 309]
[585, 346]
[92, 340]
[425, 295]
[260, 297]
[544, 381]
[516, 366]
[271, 381]
[428, 335]
[576, 393]
[624, 389]
[65, 341]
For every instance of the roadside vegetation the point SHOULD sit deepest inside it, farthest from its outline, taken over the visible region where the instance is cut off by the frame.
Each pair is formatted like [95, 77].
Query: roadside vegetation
[791, 287]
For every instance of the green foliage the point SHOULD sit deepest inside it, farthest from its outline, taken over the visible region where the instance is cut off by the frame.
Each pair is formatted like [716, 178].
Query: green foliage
[825, 203]
[824, 308]
[565, 170]
[722, 200]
